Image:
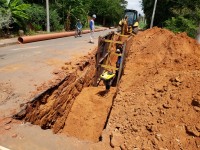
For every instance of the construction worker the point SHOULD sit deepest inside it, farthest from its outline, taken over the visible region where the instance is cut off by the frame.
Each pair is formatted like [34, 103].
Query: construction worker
[119, 49]
[92, 28]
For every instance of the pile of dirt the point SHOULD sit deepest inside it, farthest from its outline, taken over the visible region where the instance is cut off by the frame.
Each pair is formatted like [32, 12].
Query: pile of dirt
[158, 103]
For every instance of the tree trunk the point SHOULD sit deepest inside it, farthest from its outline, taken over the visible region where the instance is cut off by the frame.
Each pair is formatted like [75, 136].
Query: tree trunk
[68, 23]
[104, 21]
[198, 35]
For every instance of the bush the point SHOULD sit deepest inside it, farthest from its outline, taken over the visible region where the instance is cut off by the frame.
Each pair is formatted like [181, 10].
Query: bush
[142, 25]
[55, 21]
[5, 18]
[37, 19]
[181, 24]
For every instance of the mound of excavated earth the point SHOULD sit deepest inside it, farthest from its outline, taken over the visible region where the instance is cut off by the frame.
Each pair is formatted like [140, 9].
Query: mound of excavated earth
[158, 103]
[155, 107]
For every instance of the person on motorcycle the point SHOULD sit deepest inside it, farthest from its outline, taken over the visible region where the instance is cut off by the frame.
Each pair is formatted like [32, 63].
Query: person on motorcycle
[79, 27]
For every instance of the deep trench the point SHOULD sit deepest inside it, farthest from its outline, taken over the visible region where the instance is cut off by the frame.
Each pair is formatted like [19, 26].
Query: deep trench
[62, 107]
[51, 108]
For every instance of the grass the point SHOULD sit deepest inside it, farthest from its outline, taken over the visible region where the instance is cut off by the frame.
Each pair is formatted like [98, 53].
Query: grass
[142, 25]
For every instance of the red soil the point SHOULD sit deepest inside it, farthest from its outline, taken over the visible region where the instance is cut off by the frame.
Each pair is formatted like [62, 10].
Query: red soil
[158, 103]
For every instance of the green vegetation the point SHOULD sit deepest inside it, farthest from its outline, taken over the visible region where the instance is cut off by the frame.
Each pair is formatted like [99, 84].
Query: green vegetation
[142, 22]
[176, 15]
[30, 15]
[142, 25]
[12, 12]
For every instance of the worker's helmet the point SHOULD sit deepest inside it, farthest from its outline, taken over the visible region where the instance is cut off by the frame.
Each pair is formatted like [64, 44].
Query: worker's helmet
[78, 19]
[94, 16]
[118, 51]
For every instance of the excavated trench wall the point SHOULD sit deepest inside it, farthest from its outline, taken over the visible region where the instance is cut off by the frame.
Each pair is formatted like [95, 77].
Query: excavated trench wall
[51, 108]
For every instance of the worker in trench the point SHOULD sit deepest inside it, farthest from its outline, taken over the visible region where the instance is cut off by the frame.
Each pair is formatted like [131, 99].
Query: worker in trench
[119, 49]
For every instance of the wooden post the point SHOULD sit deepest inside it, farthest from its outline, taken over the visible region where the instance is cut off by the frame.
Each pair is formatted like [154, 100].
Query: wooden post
[97, 57]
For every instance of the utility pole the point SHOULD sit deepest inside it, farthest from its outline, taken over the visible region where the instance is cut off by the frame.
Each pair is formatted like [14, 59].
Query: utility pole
[198, 35]
[153, 14]
[47, 9]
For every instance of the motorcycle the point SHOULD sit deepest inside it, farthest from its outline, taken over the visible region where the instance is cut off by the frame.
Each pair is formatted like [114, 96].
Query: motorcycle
[78, 32]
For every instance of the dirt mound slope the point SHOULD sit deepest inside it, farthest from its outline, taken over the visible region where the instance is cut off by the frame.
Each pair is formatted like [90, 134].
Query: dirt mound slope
[158, 103]
[89, 112]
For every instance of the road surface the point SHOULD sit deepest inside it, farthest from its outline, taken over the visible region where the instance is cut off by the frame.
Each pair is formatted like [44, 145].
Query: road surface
[24, 67]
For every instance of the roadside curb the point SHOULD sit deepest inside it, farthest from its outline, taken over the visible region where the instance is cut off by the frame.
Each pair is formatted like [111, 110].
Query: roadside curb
[7, 44]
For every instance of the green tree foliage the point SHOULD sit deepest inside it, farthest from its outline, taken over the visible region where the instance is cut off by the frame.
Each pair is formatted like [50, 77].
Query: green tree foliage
[55, 20]
[163, 11]
[64, 13]
[71, 10]
[17, 9]
[181, 24]
[12, 13]
[5, 18]
[37, 15]
[178, 16]
[109, 12]
[3, 3]
[37, 21]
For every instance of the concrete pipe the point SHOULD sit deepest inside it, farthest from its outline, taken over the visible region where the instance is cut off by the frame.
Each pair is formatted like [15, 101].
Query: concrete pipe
[34, 38]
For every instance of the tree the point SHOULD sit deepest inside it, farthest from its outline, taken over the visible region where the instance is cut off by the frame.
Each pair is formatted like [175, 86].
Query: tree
[5, 15]
[17, 9]
[108, 11]
[64, 12]
[5, 19]
[37, 15]
[70, 10]
[179, 15]
[37, 18]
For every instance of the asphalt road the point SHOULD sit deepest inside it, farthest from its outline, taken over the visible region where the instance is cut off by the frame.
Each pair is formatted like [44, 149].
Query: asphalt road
[24, 67]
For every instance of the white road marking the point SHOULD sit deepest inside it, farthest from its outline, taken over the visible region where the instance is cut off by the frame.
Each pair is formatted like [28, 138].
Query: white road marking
[3, 148]
[16, 49]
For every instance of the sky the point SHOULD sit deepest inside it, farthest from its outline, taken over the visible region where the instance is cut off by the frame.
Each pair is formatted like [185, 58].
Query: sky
[136, 5]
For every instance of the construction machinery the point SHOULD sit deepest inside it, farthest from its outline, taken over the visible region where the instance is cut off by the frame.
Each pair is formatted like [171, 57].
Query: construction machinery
[113, 49]
[129, 24]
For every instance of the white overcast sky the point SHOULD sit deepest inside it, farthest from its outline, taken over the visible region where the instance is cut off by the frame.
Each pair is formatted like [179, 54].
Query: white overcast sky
[135, 4]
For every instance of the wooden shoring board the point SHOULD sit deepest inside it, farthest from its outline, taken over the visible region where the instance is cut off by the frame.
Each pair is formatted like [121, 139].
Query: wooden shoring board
[101, 52]
[106, 54]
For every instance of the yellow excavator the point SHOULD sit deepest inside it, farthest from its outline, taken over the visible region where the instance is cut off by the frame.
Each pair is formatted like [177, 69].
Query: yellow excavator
[129, 24]
[111, 53]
